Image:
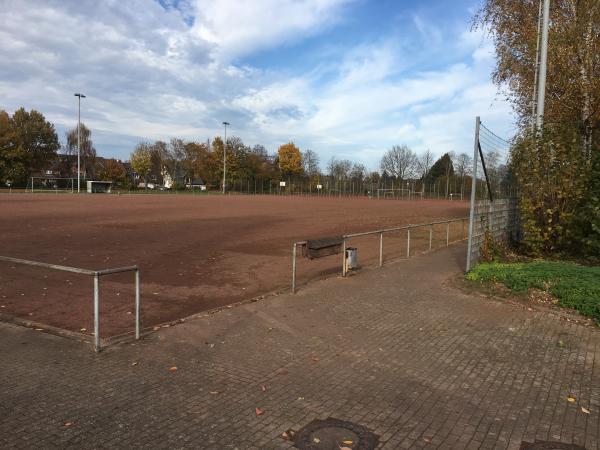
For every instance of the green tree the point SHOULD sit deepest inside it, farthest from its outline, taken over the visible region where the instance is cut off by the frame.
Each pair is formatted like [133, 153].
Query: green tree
[27, 144]
[443, 167]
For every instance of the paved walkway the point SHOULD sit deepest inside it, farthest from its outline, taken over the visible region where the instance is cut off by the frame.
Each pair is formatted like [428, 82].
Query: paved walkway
[398, 350]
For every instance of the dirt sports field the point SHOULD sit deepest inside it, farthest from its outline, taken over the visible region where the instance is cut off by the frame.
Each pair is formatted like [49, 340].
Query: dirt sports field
[195, 252]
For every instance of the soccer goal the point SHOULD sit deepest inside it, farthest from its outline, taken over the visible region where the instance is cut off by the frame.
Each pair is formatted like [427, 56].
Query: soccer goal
[393, 193]
[50, 184]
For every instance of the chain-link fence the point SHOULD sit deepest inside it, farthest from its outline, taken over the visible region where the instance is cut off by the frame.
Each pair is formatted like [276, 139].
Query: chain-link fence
[455, 188]
[494, 215]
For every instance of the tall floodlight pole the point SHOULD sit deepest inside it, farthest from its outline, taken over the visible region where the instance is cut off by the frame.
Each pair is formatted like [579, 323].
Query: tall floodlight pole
[79, 97]
[541, 93]
[225, 155]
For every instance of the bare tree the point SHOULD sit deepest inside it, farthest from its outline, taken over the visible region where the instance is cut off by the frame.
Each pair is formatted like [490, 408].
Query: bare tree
[399, 161]
[88, 151]
[358, 172]
[339, 168]
[310, 163]
[462, 162]
[424, 163]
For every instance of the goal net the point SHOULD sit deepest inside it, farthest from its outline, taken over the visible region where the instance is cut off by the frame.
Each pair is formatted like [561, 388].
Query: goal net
[394, 193]
[50, 184]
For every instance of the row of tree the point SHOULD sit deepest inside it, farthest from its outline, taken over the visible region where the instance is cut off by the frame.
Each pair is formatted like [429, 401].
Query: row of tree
[29, 144]
[183, 161]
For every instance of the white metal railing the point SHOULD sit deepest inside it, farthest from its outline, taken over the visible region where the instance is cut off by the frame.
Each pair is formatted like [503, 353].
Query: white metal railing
[381, 232]
[96, 274]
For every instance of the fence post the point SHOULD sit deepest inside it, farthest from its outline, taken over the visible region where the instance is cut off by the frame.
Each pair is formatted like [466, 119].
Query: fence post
[344, 257]
[473, 189]
[448, 234]
[137, 303]
[430, 236]
[294, 268]
[408, 242]
[96, 312]
[381, 249]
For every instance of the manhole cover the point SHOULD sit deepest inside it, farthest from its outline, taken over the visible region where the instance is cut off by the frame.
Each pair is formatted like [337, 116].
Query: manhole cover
[549, 445]
[332, 434]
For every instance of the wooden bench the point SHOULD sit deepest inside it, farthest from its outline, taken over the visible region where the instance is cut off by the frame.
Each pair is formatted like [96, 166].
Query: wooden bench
[318, 248]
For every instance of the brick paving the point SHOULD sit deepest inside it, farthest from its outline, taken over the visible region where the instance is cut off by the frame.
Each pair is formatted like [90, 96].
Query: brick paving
[398, 350]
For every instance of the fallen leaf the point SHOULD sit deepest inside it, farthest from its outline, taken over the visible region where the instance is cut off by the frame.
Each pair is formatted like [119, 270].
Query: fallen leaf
[571, 399]
[585, 410]
[300, 398]
[173, 369]
[68, 424]
[427, 439]
[258, 411]
[316, 440]
[263, 388]
[290, 433]
[348, 442]
[315, 359]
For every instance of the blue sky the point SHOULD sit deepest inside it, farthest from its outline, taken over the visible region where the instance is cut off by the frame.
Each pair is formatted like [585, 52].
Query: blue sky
[345, 78]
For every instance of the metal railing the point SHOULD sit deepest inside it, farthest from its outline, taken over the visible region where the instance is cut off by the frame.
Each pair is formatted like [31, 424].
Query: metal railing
[381, 232]
[96, 274]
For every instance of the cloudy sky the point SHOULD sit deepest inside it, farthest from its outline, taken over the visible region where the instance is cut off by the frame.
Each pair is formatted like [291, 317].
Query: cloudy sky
[345, 78]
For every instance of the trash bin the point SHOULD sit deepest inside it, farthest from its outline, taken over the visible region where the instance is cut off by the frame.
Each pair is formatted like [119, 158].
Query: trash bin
[351, 258]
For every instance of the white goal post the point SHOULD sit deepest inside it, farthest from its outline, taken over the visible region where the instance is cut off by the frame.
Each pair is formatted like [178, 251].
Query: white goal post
[50, 184]
[395, 193]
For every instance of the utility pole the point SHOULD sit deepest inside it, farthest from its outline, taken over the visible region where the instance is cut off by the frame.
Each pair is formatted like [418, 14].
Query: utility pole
[537, 68]
[79, 97]
[225, 155]
[541, 89]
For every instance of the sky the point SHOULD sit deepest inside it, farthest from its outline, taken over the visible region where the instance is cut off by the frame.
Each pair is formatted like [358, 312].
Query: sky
[345, 78]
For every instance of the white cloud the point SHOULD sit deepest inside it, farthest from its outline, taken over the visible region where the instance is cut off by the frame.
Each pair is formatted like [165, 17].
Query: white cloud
[155, 73]
[239, 27]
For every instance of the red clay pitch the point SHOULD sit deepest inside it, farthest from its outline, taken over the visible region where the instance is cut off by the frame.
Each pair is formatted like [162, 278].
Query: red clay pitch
[195, 252]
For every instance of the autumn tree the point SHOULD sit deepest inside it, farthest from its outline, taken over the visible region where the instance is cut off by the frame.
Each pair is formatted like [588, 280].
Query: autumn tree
[141, 161]
[289, 159]
[571, 117]
[112, 170]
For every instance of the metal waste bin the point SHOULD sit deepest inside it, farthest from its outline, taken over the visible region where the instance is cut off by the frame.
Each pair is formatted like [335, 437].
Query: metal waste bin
[351, 259]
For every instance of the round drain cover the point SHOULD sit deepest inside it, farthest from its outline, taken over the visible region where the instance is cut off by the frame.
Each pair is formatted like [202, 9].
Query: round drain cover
[331, 434]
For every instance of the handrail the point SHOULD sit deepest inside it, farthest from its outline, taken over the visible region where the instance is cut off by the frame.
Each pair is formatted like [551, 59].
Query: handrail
[380, 232]
[96, 274]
